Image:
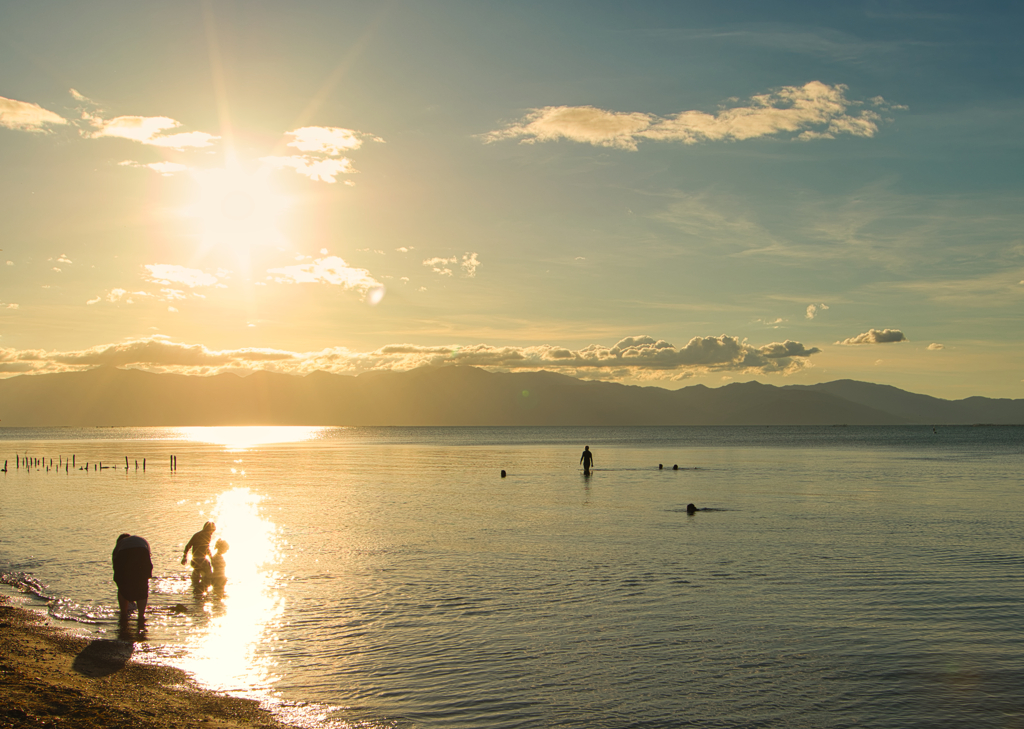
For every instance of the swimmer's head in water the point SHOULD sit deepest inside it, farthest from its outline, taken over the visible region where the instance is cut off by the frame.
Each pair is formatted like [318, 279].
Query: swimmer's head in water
[690, 508]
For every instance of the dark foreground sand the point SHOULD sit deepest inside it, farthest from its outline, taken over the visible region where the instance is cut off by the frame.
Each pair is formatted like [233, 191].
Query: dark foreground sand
[51, 679]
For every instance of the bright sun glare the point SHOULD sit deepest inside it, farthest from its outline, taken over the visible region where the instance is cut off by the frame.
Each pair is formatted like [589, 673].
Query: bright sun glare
[238, 210]
[225, 652]
[244, 437]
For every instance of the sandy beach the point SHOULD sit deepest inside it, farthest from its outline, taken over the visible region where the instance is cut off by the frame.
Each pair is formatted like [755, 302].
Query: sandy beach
[49, 678]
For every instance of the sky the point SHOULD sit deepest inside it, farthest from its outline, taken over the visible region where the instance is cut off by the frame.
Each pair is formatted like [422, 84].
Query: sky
[652, 193]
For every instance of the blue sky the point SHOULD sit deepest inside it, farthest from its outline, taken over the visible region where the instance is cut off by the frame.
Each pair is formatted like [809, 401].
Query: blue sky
[649, 193]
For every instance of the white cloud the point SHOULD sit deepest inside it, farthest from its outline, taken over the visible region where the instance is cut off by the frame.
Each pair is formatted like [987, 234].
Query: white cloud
[934, 346]
[163, 273]
[331, 141]
[876, 336]
[440, 265]
[813, 309]
[578, 124]
[13, 306]
[27, 117]
[812, 111]
[323, 147]
[149, 130]
[470, 263]
[329, 270]
[63, 259]
[10, 263]
[318, 170]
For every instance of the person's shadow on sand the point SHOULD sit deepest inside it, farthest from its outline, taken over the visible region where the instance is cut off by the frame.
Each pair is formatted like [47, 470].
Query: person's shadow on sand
[103, 657]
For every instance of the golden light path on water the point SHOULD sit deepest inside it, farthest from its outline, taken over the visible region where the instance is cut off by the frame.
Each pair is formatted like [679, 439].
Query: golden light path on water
[228, 645]
[222, 649]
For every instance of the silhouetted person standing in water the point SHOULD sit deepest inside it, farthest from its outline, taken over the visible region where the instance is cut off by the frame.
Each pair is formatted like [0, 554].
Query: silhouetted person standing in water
[587, 459]
[133, 566]
[202, 570]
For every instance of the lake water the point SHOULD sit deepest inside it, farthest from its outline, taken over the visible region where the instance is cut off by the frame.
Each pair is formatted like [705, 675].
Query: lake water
[390, 577]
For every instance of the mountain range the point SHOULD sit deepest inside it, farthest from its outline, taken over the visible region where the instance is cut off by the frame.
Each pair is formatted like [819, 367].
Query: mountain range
[459, 395]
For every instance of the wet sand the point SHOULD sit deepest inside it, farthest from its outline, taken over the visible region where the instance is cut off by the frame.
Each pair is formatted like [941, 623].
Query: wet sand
[49, 678]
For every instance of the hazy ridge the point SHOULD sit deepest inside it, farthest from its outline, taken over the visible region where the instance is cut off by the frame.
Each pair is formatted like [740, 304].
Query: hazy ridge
[462, 396]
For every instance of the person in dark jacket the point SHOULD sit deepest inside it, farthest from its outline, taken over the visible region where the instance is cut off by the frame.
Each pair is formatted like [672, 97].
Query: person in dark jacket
[133, 566]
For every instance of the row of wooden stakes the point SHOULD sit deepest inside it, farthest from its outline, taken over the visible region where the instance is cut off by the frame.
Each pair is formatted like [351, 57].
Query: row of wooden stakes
[67, 464]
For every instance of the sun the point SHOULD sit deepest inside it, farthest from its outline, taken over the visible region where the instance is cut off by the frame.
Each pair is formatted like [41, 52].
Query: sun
[238, 211]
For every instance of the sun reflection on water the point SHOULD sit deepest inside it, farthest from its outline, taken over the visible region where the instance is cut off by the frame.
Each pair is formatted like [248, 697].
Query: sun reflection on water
[223, 649]
[245, 437]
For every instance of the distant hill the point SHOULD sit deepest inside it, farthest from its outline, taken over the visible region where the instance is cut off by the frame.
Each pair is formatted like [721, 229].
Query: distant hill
[462, 396]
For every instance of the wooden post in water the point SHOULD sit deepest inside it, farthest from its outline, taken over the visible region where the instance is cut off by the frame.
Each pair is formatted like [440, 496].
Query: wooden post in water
[72, 459]
[143, 464]
[126, 463]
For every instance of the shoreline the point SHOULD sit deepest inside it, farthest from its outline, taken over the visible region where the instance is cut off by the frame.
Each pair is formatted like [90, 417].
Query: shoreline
[51, 678]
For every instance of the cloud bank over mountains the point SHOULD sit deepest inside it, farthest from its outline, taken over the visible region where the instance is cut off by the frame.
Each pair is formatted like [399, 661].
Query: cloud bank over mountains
[640, 357]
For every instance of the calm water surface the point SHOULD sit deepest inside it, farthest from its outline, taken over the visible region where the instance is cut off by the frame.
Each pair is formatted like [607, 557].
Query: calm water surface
[838, 577]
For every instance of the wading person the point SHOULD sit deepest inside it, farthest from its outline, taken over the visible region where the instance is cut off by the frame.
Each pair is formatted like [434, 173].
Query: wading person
[587, 459]
[202, 570]
[133, 566]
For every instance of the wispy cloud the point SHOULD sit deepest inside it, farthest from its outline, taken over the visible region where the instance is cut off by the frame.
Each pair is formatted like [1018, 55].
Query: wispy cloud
[26, 116]
[119, 295]
[999, 289]
[165, 273]
[639, 357]
[317, 170]
[328, 270]
[164, 168]
[812, 111]
[876, 336]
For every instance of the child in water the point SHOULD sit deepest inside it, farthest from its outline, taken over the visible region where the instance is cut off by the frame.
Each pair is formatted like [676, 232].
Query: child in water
[218, 563]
